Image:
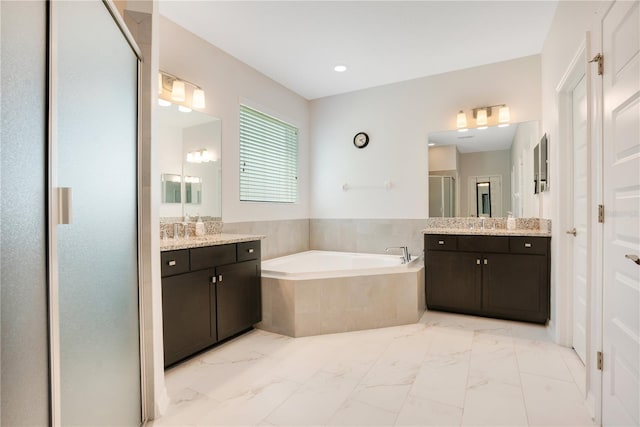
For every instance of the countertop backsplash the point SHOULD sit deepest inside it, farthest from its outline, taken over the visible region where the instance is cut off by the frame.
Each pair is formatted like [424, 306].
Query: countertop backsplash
[537, 225]
[212, 225]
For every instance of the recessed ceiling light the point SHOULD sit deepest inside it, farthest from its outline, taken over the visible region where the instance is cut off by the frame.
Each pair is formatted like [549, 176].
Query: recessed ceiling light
[340, 68]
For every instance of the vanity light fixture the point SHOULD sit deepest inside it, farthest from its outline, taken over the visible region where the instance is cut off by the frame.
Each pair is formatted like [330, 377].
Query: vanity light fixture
[503, 116]
[200, 156]
[174, 89]
[481, 119]
[177, 91]
[482, 114]
[198, 98]
[461, 121]
[184, 109]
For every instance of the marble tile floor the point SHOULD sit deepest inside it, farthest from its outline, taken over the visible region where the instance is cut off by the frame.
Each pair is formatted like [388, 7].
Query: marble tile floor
[446, 370]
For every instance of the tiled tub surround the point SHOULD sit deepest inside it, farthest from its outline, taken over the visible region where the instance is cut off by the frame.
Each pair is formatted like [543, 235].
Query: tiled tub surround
[366, 235]
[317, 302]
[282, 237]
[492, 226]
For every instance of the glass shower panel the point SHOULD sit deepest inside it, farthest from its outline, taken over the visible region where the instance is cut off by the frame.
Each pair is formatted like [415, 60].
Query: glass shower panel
[95, 116]
[442, 196]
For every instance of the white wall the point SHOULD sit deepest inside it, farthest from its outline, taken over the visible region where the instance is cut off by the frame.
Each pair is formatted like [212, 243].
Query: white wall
[444, 158]
[398, 118]
[227, 82]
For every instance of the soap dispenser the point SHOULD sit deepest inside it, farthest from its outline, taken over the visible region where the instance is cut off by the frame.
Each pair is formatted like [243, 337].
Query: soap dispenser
[511, 221]
[199, 227]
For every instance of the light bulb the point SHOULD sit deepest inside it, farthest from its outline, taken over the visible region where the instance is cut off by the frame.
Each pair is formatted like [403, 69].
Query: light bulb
[503, 115]
[198, 98]
[163, 102]
[461, 120]
[177, 91]
[184, 109]
[481, 119]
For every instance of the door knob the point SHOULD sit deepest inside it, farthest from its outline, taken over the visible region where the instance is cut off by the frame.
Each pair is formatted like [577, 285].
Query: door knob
[633, 258]
[572, 231]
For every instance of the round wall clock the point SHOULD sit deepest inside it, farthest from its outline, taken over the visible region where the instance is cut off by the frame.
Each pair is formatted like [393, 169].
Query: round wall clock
[361, 140]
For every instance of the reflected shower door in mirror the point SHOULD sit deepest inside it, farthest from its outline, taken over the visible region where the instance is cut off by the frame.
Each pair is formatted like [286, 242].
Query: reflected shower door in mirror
[189, 148]
[442, 196]
[504, 152]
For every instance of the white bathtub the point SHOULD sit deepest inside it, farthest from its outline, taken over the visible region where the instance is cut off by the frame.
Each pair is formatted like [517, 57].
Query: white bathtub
[318, 292]
[323, 264]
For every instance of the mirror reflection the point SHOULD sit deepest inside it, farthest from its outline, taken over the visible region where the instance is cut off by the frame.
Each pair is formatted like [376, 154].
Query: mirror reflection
[483, 173]
[171, 188]
[483, 196]
[189, 148]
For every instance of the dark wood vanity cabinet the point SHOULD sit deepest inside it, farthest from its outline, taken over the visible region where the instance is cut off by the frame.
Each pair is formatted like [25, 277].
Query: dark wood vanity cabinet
[208, 294]
[496, 276]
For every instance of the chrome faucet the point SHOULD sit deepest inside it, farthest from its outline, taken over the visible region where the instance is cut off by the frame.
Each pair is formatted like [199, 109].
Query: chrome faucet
[406, 257]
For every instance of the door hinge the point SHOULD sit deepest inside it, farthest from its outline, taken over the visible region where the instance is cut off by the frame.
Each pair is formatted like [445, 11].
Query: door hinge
[600, 60]
[600, 213]
[599, 360]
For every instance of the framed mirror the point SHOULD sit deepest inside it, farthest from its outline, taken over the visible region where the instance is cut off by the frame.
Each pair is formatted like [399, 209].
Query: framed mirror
[190, 148]
[171, 188]
[501, 156]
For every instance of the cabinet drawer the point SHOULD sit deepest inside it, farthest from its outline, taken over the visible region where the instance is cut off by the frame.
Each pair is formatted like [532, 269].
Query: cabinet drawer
[529, 245]
[248, 251]
[212, 256]
[174, 262]
[483, 243]
[440, 242]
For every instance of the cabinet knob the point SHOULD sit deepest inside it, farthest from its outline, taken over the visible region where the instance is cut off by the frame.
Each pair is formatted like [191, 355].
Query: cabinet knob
[527, 245]
[213, 280]
[250, 251]
[220, 278]
[486, 261]
[478, 262]
[172, 263]
[441, 242]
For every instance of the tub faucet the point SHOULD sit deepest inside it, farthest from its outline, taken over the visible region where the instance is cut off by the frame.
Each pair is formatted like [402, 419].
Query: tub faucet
[406, 257]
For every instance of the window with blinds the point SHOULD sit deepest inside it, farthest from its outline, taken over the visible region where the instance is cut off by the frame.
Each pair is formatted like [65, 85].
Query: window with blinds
[268, 158]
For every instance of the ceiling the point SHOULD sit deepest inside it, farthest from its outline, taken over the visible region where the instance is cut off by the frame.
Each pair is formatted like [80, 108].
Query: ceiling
[297, 43]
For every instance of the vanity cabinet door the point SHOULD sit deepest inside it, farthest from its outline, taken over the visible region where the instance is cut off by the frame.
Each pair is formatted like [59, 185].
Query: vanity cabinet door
[188, 301]
[239, 297]
[515, 287]
[453, 281]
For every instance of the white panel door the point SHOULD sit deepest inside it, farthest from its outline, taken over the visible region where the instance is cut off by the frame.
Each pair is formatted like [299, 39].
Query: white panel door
[580, 209]
[621, 185]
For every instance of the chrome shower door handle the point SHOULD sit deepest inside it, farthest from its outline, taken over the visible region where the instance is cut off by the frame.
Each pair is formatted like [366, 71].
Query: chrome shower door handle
[633, 258]
[572, 231]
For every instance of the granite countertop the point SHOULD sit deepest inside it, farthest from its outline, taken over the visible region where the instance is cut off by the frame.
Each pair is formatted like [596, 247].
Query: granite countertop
[207, 240]
[488, 232]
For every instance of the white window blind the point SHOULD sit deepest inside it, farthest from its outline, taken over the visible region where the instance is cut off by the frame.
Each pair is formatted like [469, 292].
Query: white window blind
[268, 158]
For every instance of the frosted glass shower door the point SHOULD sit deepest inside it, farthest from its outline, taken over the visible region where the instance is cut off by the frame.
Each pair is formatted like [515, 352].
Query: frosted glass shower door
[95, 322]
